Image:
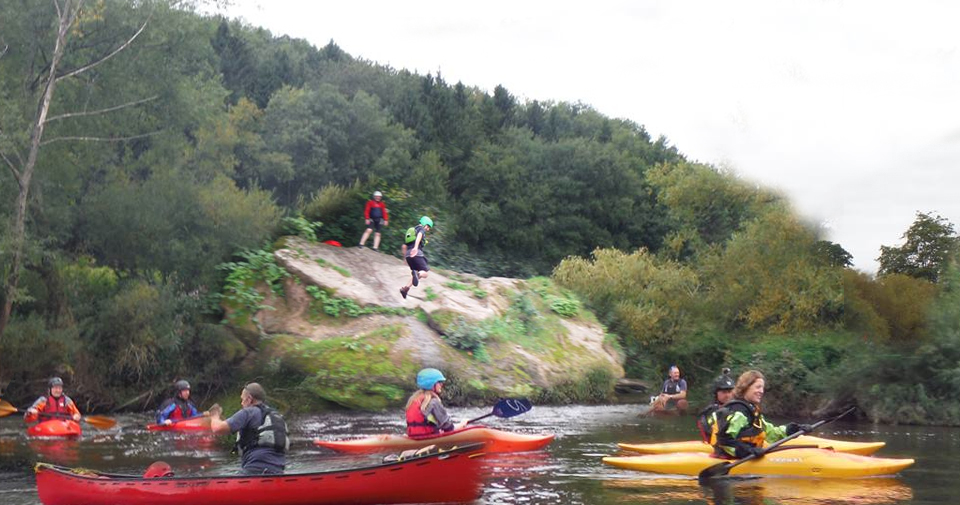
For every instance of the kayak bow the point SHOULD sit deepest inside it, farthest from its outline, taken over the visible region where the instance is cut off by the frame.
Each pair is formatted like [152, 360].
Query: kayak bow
[193, 424]
[55, 428]
[495, 441]
[444, 476]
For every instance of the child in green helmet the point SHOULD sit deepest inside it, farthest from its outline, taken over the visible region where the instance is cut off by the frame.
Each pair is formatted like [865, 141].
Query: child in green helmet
[414, 255]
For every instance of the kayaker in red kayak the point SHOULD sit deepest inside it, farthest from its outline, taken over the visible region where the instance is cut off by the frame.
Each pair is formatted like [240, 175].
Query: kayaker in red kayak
[426, 414]
[179, 407]
[53, 405]
[722, 393]
[261, 432]
[741, 428]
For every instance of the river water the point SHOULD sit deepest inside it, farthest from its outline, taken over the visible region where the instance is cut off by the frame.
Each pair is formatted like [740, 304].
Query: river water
[569, 471]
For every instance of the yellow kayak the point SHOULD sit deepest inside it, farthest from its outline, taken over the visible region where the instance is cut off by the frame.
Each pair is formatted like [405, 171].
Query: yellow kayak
[862, 448]
[798, 462]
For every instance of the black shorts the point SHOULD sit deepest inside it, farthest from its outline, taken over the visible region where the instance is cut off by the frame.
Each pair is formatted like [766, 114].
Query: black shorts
[418, 264]
[375, 224]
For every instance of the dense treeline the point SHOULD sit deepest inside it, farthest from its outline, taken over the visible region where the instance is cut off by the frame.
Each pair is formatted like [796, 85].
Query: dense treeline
[172, 142]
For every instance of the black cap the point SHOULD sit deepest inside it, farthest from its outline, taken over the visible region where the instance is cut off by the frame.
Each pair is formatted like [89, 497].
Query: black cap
[180, 385]
[724, 381]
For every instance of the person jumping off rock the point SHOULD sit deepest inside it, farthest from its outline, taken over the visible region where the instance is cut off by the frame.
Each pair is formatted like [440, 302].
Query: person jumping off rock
[415, 240]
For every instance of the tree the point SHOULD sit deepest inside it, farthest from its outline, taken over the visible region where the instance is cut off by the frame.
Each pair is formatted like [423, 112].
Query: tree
[67, 14]
[930, 243]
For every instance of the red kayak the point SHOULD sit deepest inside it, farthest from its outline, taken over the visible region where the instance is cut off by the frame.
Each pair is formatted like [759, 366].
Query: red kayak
[445, 476]
[193, 424]
[55, 428]
[496, 441]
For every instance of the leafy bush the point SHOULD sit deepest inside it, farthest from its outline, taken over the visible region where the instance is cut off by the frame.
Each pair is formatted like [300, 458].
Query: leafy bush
[467, 337]
[566, 307]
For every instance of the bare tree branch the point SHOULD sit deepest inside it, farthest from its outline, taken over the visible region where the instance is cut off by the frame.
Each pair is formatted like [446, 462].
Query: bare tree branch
[101, 139]
[13, 168]
[107, 57]
[102, 111]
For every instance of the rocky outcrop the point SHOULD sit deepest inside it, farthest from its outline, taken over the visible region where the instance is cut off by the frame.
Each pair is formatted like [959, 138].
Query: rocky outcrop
[492, 336]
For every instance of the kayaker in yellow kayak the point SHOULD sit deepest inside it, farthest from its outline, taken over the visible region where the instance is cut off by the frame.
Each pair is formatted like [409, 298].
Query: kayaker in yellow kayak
[54, 404]
[722, 393]
[741, 429]
[673, 394]
[425, 412]
[261, 432]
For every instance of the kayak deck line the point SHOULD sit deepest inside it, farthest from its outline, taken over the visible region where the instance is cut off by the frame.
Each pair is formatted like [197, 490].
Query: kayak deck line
[861, 448]
[496, 441]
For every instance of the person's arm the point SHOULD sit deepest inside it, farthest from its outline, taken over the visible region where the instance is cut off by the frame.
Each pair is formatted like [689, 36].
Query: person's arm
[683, 391]
[72, 409]
[774, 432]
[193, 411]
[163, 416]
[366, 211]
[33, 411]
[386, 216]
[218, 425]
[437, 414]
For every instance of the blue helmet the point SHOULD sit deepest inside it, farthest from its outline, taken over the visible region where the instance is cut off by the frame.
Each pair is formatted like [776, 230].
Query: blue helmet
[429, 377]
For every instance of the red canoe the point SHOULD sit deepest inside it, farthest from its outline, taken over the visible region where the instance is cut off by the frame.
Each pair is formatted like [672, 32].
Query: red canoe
[55, 428]
[193, 424]
[446, 476]
[495, 441]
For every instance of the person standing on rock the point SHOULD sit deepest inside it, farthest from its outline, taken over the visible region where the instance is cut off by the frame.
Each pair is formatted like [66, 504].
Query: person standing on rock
[416, 237]
[376, 216]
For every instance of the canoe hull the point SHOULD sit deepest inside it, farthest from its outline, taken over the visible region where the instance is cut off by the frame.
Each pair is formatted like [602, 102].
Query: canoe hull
[451, 476]
[55, 428]
[861, 448]
[790, 462]
[195, 424]
[495, 441]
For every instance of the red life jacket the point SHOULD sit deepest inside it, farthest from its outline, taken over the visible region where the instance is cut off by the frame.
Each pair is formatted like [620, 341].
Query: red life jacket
[56, 406]
[417, 424]
[180, 412]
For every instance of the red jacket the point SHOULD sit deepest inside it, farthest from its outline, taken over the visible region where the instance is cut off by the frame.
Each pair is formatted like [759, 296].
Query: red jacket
[375, 204]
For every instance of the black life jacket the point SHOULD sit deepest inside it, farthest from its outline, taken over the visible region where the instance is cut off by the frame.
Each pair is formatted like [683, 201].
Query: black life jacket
[707, 423]
[272, 432]
[753, 433]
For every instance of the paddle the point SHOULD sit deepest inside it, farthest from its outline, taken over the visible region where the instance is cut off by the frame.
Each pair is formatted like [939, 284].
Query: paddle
[507, 407]
[721, 469]
[6, 408]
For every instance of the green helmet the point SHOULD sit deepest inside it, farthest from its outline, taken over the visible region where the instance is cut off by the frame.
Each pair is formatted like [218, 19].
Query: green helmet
[426, 221]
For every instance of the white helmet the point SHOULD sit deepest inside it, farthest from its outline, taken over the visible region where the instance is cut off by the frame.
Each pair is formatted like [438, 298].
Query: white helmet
[377, 193]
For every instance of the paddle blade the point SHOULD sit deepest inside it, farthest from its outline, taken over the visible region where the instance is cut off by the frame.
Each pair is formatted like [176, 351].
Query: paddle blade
[509, 407]
[6, 409]
[718, 470]
[100, 422]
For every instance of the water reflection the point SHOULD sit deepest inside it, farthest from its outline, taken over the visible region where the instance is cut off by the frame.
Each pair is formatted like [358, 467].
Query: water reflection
[767, 490]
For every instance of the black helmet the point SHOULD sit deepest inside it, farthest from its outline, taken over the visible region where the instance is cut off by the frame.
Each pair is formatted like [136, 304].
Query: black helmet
[180, 385]
[724, 381]
[55, 381]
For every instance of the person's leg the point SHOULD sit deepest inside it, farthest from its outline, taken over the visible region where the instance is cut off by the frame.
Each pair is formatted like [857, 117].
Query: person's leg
[376, 241]
[366, 235]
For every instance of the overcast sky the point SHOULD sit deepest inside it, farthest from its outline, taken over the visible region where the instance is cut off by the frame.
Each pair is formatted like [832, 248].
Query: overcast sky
[851, 108]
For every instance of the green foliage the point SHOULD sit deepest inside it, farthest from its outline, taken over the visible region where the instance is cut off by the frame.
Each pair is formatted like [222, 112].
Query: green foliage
[594, 386]
[241, 287]
[566, 307]
[467, 337]
[930, 243]
[336, 306]
[301, 227]
[894, 306]
[456, 285]
[430, 294]
[638, 296]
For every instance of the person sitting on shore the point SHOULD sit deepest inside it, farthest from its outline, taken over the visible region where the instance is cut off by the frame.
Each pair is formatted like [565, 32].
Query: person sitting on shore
[673, 394]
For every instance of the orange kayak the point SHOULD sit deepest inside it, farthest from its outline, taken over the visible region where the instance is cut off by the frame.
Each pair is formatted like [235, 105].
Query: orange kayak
[495, 441]
[192, 424]
[55, 428]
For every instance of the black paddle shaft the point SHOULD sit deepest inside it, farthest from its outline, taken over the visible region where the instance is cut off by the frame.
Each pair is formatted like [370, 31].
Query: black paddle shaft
[721, 469]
